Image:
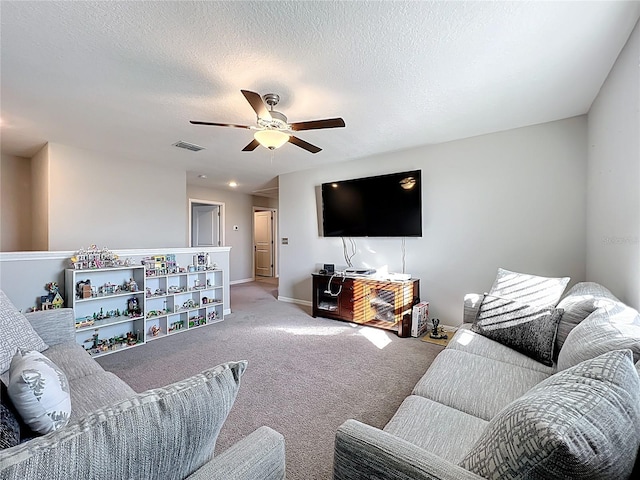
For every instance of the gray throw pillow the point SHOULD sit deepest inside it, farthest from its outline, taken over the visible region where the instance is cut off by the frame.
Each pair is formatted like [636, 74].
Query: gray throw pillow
[612, 326]
[578, 303]
[9, 428]
[530, 289]
[15, 332]
[581, 423]
[124, 440]
[528, 329]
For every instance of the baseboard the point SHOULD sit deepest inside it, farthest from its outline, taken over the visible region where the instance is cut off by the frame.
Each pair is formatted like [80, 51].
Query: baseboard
[244, 280]
[306, 303]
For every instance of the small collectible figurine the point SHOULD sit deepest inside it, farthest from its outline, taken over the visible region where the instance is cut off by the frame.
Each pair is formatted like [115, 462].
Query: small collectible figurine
[434, 333]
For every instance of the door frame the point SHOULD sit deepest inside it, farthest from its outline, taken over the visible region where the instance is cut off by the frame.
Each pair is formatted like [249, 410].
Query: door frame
[206, 202]
[274, 236]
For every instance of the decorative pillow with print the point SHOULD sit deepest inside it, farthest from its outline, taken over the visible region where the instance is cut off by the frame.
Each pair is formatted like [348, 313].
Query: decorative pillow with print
[39, 391]
[15, 332]
[528, 329]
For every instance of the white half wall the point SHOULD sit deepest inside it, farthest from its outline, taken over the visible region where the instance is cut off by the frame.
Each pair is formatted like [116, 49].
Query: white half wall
[613, 224]
[98, 199]
[514, 199]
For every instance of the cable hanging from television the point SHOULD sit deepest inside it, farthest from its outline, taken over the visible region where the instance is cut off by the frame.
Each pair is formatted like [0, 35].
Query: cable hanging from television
[348, 255]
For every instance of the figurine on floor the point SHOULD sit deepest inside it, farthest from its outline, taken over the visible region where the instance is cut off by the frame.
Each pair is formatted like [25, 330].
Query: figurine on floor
[434, 333]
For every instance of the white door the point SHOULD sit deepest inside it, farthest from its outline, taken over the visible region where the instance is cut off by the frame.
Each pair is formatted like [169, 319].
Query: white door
[263, 243]
[205, 226]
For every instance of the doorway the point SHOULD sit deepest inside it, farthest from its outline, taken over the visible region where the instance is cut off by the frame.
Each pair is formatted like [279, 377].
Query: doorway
[206, 223]
[264, 233]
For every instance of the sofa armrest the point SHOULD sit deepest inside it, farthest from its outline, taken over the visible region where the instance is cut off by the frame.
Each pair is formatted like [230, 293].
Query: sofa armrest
[258, 456]
[365, 452]
[472, 303]
[54, 326]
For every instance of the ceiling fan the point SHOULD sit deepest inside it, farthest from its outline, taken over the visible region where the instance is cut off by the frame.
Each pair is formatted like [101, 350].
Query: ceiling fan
[272, 129]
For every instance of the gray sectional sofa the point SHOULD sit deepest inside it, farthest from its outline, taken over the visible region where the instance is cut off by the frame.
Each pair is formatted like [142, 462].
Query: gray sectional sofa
[114, 433]
[484, 409]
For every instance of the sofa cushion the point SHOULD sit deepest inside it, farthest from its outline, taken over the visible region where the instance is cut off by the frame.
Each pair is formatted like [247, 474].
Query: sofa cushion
[580, 423]
[468, 341]
[437, 428]
[473, 384]
[73, 360]
[578, 303]
[15, 332]
[529, 289]
[612, 326]
[191, 412]
[528, 329]
[106, 389]
[39, 391]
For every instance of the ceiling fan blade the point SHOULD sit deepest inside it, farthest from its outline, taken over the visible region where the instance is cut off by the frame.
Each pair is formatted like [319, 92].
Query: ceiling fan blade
[302, 144]
[255, 100]
[219, 124]
[252, 146]
[316, 124]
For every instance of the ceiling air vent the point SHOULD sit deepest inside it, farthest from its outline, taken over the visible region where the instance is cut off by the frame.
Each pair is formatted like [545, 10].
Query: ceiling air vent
[188, 146]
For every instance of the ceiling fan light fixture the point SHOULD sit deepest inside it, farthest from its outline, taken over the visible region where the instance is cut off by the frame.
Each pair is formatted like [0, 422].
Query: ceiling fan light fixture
[271, 139]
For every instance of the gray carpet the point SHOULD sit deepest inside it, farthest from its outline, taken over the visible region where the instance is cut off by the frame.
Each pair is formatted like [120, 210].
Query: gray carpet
[305, 376]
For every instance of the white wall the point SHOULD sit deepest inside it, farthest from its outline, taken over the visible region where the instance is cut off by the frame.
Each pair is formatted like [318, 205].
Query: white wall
[513, 199]
[15, 204]
[237, 211]
[613, 225]
[97, 199]
[40, 199]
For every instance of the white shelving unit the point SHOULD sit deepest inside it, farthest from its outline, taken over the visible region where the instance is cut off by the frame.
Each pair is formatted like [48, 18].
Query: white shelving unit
[182, 301]
[168, 304]
[110, 312]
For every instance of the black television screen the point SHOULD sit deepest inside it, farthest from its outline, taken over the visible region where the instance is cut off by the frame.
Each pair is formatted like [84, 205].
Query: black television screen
[382, 206]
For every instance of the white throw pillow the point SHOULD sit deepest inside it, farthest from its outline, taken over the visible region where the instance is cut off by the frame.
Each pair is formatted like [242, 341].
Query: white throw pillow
[39, 391]
[529, 289]
[15, 332]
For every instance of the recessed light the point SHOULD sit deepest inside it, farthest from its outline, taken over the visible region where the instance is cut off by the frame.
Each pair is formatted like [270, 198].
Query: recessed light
[202, 176]
[233, 184]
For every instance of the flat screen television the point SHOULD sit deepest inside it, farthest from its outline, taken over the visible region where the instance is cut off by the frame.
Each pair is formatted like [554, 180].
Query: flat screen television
[381, 206]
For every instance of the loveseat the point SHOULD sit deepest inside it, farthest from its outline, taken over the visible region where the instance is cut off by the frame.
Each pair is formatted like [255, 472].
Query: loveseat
[99, 428]
[485, 409]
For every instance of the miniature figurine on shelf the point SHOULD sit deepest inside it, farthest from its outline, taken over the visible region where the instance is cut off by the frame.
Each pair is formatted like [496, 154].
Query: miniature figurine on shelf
[132, 286]
[133, 307]
[155, 330]
[434, 333]
[53, 299]
[131, 339]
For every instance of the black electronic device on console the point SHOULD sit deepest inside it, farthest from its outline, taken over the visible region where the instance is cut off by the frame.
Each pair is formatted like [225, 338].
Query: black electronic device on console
[329, 268]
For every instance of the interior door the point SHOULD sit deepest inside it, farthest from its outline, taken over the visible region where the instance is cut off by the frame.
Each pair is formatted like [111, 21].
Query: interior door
[205, 226]
[263, 243]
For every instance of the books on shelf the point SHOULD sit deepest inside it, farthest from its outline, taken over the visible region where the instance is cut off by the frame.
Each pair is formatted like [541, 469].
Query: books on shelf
[419, 319]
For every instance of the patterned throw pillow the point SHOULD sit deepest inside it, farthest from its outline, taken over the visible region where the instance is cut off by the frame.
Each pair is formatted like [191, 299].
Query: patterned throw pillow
[527, 329]
[9, 428]
[15, 332]
[39, 391]
[121, 440]
[580, 423]
[529, 289]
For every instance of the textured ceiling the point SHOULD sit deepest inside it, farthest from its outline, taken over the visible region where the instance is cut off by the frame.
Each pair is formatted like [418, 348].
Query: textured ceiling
[125, 78]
